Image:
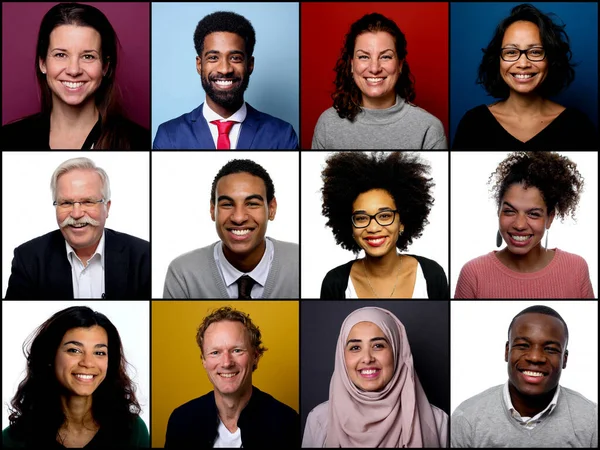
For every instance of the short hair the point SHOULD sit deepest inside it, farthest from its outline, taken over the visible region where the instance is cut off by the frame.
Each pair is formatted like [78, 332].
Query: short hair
[228, 22]
[243, 166]
[556, 176]
[555, 42]
[402, 174]
[81, 163]
[36, 410]
[541, 309]
[347, 96]
[233, 315]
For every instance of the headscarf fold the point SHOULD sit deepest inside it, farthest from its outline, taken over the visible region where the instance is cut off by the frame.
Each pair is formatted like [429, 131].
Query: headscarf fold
[397, 416]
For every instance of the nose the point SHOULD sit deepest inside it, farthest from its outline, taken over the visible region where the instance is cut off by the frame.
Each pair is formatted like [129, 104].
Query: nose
[77, 211]
[239, 214]
[375, 65]
[226, 360]
[523, 61]
[224, 66]
[520, 222]
[87, 360]
[373, 225]
[73, 67]
[536, 354]
[367, 356]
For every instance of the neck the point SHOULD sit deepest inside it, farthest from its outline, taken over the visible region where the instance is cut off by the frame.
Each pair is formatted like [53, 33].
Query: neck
[382, 266]
[528, 405]
[223, 111]
[86, 253]
[230, 407]
[66, 117]
[529, 262]
[245, 262]
[524, 105]
[78, 412]
[379, 103]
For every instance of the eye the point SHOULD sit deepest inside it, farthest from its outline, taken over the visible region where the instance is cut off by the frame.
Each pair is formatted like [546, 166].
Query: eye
[535, 215]
[552, 350]
[354, 348]
[363, 57]
[73, 350]
[387, 57]
[237, 58]
[360, 218]
[226, 205]
[59, 55]
[89, 57]
[65, 204]
[379, 345]
[508, 212]
[101, 353]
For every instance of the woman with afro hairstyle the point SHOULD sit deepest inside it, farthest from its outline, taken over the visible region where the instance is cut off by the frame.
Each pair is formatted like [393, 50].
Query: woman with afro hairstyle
[530, 189]
[527, 62]
[76, 391]
[379, 203]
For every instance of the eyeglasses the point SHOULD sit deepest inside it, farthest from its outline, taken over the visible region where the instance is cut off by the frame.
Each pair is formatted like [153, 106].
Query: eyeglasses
[511, 54]
[383, 218]
[84, 204]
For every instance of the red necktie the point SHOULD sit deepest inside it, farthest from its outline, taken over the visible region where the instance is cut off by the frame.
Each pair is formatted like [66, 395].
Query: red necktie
[224, 129]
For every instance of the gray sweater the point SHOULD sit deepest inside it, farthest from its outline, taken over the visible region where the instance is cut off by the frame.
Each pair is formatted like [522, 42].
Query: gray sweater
[195, 274]
[484, 421]
[403, 126]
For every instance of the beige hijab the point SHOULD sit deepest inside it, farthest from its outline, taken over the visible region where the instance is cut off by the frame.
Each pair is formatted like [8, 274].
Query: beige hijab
[397, 416]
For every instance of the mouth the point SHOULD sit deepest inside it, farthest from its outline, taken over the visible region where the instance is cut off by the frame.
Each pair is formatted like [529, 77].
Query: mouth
[533, 376]
[240, 234]
[520, 240]
[84, 377]
[79, 225]
[523, 77]
[374, 81]
[72, 85]
[375, 241]
[228, 375]
[224, 83]
[369, 373]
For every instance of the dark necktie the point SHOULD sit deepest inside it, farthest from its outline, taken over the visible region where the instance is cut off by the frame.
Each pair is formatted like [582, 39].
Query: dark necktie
[245, 284]
[224, 128]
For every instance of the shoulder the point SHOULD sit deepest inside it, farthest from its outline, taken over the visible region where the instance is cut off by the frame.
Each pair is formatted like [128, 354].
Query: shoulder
[482, 262]
[429, 265]
[425, 118]
[182, 119]
[475, 115]
[328, 116]
[268, 402]
[267, 119]
[194, 257]
[578, 402]
[9, 440]
[285, 247]
[340, 272]
[318, 416]
[191, 410]
[571, 259]
[138, 135]
[127, 239]
[26, 133]
[41, 242]
[473, 406]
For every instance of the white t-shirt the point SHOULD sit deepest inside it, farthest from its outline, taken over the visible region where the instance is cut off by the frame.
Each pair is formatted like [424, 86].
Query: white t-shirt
[227, 439]
[419, 291]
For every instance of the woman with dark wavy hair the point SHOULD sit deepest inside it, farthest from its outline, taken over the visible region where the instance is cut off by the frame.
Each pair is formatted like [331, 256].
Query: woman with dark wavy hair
[527, 61]
[76, 391]
[75, 66]
[374, 89]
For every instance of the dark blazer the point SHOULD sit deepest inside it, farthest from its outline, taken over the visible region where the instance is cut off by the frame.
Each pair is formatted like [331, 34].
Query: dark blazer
[259, 131]
[336, 281]
[41, 269]
[264, 423]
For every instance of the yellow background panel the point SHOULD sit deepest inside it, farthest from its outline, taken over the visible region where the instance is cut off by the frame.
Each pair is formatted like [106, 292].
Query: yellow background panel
[177, 372]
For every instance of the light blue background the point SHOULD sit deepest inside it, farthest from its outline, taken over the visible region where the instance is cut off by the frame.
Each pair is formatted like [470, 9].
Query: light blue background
[274, 84]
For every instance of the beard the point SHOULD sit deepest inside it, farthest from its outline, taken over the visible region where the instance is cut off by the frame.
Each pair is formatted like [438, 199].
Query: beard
[230, 99]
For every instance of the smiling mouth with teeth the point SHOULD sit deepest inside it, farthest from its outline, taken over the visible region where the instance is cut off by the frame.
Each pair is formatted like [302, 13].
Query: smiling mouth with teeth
[228, 375]
[531, 373]
[241, 232]
[520, 238]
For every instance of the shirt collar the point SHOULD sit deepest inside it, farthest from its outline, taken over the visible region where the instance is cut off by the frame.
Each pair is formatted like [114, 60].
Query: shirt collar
[258, 274]
[238, 116]
[517, 416]
[99, 251]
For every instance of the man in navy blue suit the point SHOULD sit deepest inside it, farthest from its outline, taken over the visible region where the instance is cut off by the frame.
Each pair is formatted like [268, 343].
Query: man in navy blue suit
[224, 44]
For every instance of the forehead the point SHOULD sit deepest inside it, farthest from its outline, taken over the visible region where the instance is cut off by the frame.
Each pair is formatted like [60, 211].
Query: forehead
[224, 42]
[79, 179]
[374, 199]
[525, 197]
[75, 37]
[365, 330]
[225, 332]
[95, 333]
[241, 184]
[522, 32]
[375, 40]
[542, 326]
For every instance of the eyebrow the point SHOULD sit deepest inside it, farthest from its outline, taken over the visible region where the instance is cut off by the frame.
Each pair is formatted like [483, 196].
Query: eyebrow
[370, 340]
[65, 50]
[250, 197]
[216, 52]
[531, 209]
[79, 344]
[382, 51]
[362, 211]
[528, 46]
[523, 338]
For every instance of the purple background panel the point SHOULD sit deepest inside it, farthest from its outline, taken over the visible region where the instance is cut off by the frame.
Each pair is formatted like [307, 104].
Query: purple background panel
[20, 26]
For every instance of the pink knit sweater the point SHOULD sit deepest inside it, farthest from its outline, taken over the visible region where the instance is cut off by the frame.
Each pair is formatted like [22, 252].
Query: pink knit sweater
[567, 276]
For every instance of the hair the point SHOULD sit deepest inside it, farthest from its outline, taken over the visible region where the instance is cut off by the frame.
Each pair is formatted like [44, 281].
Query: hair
[541, 309]
[402, 174]
[233, 315]
[107, 96]
[81, 164]
[243, 166]
[556, 176]
[347, 97]
[228, 22]
[36, 413]
[555, 42]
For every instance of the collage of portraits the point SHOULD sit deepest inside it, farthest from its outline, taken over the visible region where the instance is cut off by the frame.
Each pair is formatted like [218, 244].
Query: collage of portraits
[335, 224]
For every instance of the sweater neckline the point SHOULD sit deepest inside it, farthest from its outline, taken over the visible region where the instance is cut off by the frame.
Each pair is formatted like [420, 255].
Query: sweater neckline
[385, 116]
[558, 254]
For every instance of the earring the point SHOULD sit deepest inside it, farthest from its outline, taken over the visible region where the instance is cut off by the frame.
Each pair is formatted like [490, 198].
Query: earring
[498, 239]
[401, 231]
[547, 231]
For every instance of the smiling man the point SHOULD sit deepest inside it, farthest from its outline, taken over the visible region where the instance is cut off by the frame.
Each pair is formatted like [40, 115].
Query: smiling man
[235, 413]
[531, 409]
[82, 259]
[244, 264]
[224, 44]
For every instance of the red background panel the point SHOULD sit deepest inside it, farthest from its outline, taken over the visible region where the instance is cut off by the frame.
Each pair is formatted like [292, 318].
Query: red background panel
[322, 32]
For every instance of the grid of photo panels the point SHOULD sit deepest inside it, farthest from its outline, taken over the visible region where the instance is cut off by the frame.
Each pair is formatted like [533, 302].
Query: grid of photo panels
[299, 224]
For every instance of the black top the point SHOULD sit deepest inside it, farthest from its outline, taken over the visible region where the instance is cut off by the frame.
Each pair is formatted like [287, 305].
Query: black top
[264, 423]
[336, 281]
[571, 130]
[33, 133]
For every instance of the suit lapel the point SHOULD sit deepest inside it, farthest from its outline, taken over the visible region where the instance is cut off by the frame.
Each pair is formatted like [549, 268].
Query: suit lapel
[116, 267]
[60, 274]
[204, 140]
[249, 128]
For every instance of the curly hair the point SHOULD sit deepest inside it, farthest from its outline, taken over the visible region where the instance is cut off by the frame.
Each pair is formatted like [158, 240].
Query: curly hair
[226, 21]
[556, 176]
[347, 97]
[233, 315]
[36, 414]
[243, 166]
[555, 42]
[402, 174]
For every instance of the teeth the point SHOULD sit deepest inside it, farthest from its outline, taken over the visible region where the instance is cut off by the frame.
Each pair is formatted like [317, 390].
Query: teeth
[533, 374]
[240, 232]
[522, 77]
[374, 80]
[376, 241]
[224, 82]
[368, 371]
[72, 85]
[228, 375]
[79, 225]
[520, 238]
[84, 377]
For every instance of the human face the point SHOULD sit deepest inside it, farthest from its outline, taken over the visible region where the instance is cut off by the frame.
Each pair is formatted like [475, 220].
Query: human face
[368, 356]
[73, 64]
[376, 240]
[81, 360]
[81, 227]
[241, 214]
[376, 69]
[224, 69]
[523, 218]
[536, 353]
[229, 357]
[523, 76]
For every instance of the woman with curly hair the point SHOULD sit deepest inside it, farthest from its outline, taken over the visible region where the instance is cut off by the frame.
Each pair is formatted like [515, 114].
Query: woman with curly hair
[374, 89]
[527, 61]
[379, 203]
[530, 190]
[76, 391]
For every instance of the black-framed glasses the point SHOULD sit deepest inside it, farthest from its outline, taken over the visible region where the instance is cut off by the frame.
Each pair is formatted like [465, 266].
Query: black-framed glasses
[85, 204]
[512, 54]
[383, 218]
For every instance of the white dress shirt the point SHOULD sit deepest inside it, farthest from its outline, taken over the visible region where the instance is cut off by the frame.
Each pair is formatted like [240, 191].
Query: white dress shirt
[88, 280]
[529, 422]
[239, 116]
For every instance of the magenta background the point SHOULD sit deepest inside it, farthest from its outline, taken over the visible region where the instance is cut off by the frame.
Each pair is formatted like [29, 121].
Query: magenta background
[20, 26]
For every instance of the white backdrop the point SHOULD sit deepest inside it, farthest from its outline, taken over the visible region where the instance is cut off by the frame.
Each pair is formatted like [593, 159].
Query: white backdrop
[27, 210]
[320, 253]
[479, 331]
[131, 318]
[474, 217]
[181, 183]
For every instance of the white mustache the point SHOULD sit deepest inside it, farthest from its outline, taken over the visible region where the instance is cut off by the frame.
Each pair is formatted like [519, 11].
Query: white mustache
[84, 220]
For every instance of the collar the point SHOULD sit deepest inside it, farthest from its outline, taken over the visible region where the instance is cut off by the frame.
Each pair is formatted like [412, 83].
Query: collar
[258, 274]
[210, 115]
[99, 250]
[526, 420]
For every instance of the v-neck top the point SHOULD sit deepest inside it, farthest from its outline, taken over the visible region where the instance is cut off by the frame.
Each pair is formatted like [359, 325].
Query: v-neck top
[570, 130]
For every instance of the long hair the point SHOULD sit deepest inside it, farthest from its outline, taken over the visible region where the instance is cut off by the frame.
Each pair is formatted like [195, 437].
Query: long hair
[36, 413]
[107, 96]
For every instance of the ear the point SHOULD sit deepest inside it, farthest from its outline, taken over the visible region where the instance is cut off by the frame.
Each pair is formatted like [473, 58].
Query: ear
[203, 360]
[106, 67]
[199, 65]
[108, 207]
[564, 365]
[550, 219]
[351, 67]
[506, 352]
[272, 208]
[212, 211]
[400, 68]
[250, 65]
[42, 65]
